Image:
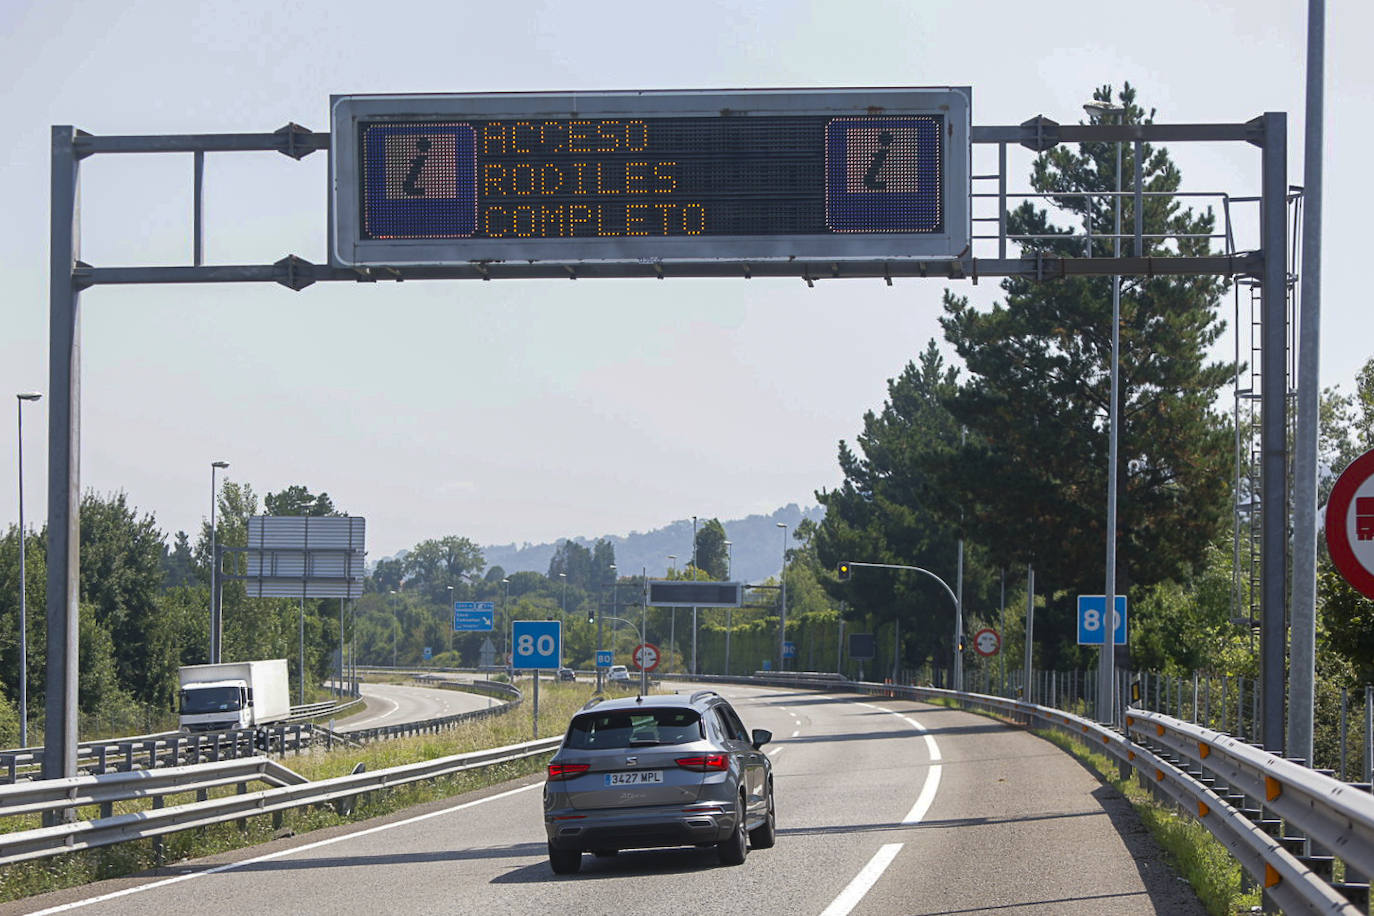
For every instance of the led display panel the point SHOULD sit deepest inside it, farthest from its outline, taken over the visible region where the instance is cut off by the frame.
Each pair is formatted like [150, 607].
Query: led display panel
[645, 176]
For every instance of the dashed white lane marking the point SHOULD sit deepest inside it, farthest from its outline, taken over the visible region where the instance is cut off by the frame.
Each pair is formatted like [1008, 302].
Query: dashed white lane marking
[282, 853]
[863, 882]
[798, 731]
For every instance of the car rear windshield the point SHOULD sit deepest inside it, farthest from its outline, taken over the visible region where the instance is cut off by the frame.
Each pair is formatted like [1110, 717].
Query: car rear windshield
[633, 728]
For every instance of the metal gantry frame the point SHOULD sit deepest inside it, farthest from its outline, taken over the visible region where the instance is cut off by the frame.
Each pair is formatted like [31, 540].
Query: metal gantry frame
[69, 276]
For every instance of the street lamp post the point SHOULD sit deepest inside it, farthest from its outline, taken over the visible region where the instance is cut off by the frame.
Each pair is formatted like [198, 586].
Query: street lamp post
[694, 610]
[564, 577]
[395, 628]
[216, 629]
[730, 611]
[23, 582]
[305, 508]
[510, 628]
[782, 618]
[1106, 681]
[449, 615]
[672, 612]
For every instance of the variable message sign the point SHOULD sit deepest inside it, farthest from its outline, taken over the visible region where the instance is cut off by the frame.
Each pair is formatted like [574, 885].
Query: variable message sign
[686, 593]
[657, 176]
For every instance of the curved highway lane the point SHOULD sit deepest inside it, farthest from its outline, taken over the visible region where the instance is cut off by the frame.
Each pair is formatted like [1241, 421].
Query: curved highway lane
[395, 704]
[885, 807]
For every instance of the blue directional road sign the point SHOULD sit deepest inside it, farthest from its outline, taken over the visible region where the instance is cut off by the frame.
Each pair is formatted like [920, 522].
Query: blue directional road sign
[603, 658]
[1091, 610]
[538, 643]
[470, 616]
[429, 653]
[789, 649]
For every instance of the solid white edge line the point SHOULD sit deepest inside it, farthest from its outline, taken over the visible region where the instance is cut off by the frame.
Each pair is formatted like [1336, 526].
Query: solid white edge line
[863, 881]
[230, 866]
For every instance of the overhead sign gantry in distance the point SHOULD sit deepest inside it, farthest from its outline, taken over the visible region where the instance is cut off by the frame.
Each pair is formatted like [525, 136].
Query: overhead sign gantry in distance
[650, 177]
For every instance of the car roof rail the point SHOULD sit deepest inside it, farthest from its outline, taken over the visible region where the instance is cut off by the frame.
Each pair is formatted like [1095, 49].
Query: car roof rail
[702, 693]
[592, 702]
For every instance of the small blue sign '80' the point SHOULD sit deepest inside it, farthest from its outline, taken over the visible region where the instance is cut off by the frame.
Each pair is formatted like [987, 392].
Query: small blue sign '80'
[1091, 610]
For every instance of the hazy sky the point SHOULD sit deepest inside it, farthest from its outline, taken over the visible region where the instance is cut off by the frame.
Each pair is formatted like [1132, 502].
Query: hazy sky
[529, 411]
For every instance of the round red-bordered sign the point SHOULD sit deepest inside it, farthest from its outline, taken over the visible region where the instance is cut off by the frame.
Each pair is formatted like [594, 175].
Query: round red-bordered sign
[987, 642]
[1350, 524]
[645, 656]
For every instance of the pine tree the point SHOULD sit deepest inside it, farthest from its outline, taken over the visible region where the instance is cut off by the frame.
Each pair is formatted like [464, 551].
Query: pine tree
[1033, 474]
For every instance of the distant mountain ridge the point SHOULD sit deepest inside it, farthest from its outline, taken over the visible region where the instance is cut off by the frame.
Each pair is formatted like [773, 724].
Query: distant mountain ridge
[756, 546]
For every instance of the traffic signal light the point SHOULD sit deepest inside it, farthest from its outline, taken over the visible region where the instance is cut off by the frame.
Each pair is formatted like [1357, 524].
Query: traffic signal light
[843, 570]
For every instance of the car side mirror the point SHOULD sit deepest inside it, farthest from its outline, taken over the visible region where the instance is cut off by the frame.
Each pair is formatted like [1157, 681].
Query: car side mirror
[760, 736]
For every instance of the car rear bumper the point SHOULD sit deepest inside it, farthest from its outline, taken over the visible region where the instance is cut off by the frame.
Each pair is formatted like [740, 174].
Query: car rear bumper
[639, 828]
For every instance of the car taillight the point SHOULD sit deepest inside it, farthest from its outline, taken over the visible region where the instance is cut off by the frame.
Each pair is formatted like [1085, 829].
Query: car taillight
[704, 763]
[566, 770]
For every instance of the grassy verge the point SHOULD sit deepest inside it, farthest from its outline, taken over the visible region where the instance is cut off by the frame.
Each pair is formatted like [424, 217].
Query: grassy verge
[557, 703]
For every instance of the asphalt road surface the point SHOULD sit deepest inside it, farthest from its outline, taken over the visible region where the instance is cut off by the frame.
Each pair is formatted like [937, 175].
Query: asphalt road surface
[394, 704]
[884, 807]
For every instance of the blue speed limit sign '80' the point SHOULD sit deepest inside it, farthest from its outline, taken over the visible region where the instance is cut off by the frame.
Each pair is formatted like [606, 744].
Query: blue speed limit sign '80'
[1091, 611]
[537, 643]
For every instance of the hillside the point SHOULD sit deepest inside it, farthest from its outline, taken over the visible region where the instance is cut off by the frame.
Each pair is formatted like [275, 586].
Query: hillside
[756, 545]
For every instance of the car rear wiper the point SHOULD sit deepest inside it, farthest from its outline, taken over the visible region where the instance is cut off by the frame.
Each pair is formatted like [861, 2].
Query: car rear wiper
[644, 742]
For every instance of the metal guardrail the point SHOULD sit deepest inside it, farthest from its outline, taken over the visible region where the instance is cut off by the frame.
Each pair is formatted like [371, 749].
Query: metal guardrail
[59, 794]
[103, 831]
[177, 747]
[1273, 793]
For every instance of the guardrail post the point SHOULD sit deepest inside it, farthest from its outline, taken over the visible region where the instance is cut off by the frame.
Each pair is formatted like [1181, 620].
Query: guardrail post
[243, 821]
[100, 753]
[1369, 737]
[11, 769]
[128, 749]
[159, 847]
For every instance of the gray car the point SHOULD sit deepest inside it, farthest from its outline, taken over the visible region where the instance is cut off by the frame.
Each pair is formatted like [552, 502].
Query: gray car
[658, 771]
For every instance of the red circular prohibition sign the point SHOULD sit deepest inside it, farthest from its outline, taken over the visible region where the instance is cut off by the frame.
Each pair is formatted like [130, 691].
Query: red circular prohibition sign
[1359, 573]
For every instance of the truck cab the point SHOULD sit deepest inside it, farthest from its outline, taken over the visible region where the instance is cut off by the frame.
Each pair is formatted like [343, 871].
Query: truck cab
[216, 705]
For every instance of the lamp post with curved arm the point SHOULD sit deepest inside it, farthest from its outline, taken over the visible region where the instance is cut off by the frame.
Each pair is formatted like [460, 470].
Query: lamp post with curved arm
[958, 611]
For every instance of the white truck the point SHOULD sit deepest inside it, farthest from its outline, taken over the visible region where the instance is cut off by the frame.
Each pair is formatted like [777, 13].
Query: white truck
[234, 695]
